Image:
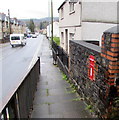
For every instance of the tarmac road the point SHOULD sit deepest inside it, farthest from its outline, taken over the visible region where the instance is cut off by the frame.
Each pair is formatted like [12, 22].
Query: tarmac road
[15, 63]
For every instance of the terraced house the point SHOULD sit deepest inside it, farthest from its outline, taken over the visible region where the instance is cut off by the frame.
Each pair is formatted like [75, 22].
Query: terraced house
[89, 36]
[8, 26]
[86, 20]
[69, 22]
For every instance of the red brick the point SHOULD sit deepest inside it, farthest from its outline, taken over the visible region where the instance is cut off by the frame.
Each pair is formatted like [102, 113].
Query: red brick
[102, 46]
[111, 58]
[111, 83]
[113, 71]
[111, 53]
[103, 38]
[111, 76]
[114, 45]
[115, 35]
[102, 43]
[103, 51]
[103, 55]
[114, 63]
[114, 49]
[113, 67]
[115, 40]
[111, 79]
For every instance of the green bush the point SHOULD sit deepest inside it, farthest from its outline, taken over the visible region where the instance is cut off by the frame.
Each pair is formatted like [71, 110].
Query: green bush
[56, 40]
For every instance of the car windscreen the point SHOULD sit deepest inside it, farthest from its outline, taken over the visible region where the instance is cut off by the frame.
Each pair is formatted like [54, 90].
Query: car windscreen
[15, 38]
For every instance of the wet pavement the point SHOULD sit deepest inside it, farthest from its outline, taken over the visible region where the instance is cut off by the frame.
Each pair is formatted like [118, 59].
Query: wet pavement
[54, 97]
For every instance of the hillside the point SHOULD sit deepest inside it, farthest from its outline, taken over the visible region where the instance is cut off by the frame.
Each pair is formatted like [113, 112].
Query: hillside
[37, 21]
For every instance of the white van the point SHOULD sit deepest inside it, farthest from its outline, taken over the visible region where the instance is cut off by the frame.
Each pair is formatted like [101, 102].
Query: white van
[17, 39]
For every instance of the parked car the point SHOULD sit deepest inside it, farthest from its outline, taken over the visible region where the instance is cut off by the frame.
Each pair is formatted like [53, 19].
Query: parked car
[17, 39]
[29, 35]
[34, 36]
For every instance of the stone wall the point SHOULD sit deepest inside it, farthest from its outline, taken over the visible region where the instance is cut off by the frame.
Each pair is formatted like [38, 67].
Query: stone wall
[90, 71]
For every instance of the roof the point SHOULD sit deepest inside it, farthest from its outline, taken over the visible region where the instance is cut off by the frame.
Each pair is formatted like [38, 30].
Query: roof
[73, 1]
[62, 4]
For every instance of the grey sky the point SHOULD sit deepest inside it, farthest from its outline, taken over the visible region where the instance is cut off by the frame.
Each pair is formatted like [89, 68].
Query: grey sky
[29, 8]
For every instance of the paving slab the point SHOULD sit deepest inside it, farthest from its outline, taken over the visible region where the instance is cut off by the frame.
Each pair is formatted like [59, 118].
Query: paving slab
[54, 97]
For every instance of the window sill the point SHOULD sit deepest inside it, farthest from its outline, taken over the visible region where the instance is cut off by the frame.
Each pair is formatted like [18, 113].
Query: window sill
[61, 18]
[72, 12]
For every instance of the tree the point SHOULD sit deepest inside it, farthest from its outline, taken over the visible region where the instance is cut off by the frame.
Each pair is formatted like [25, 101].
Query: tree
[43, 25]
[31, 25]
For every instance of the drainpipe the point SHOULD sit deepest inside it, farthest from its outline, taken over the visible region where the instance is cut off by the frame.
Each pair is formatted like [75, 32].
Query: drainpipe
[81, 19]
[81, 13]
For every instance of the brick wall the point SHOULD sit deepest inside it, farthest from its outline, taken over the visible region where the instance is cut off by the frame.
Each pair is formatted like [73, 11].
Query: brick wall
[95, 71]
[110, 53]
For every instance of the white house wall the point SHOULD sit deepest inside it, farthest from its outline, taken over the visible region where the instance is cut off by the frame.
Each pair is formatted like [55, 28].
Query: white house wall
[78, 35]
[0, 30]
[98, 17]
[55, 30]
[93, 31]
[99, 11]
[49, 30]
[89, 19]
[70, 19]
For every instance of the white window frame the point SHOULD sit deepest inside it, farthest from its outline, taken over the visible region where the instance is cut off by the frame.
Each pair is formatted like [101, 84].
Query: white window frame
[71, 36]
[71, 7]
[62, 38]
[62, 13]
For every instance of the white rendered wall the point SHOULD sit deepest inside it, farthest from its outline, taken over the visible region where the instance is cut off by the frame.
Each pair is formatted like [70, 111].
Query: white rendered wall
[98, 16]
[94, 31]
[0, 30]
[55, 29]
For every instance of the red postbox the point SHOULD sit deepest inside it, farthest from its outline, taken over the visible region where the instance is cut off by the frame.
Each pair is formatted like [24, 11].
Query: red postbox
[91, 67]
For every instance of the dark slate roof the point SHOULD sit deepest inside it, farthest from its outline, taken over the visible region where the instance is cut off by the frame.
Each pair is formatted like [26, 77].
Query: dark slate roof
[62, 5]
[114, 29]
[74, 1]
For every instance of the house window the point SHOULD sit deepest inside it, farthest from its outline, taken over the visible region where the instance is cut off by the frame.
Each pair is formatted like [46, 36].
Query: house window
[3, 24]
[62, 13]
[7, 24]
[62, 37]
[71, 36]
[71, 6]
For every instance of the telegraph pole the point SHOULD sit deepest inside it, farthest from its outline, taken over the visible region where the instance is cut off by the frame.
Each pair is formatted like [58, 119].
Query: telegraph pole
[9, 21]
[49, 30]
[51, 22]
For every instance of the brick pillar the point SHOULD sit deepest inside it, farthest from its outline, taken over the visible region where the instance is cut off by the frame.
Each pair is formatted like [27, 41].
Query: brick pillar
[110, 55]
[110, 61]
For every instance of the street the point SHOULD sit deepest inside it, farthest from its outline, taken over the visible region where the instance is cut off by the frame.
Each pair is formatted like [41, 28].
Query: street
[15, 63]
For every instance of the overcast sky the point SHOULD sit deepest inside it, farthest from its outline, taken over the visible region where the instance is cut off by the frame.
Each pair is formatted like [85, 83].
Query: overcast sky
[29, 8]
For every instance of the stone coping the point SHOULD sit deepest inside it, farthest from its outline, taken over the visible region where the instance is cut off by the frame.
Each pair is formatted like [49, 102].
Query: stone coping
[88, 45]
